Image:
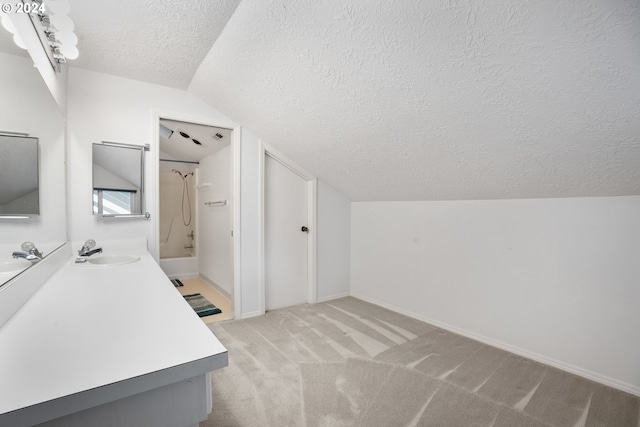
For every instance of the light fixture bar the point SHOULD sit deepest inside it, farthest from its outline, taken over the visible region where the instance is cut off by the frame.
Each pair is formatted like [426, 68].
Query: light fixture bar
[15, 216]
[120, 144]
[9, 133]
[180, 161]
[145, 215]
[43, 37]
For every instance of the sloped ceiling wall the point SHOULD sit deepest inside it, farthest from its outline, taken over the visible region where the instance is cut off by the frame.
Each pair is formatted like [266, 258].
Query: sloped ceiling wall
[156, 41]
[438, 100]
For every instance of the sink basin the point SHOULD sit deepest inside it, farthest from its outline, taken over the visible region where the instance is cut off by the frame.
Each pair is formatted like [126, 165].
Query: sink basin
[112, 259]
[14, 265]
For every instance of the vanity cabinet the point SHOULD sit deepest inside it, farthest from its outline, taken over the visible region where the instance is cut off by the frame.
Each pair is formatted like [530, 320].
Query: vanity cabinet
[105, 346]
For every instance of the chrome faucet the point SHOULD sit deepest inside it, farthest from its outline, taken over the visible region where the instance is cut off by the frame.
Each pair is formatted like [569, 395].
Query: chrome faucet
[28, 252]
[87, 248]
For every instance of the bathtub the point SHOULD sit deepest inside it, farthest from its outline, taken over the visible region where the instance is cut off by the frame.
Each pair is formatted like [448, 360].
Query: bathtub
[180, 268]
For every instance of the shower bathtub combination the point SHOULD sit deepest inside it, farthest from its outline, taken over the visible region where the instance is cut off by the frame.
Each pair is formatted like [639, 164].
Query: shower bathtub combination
[178, 256]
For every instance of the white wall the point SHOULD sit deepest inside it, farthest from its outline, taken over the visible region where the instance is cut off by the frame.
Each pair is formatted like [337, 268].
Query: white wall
[251, 268]
[334, 243]
[55, 81]
[214, 229]
[554, 279]
[108, 108]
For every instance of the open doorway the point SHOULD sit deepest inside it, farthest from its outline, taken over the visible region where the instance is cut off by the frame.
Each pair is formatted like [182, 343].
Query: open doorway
[195, 219]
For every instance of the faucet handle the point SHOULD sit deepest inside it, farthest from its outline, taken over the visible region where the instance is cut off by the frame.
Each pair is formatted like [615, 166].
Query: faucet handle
[30, 247]
[88, 245]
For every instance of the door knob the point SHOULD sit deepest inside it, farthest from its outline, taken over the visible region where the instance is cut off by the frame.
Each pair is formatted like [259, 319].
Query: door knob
[305, 229]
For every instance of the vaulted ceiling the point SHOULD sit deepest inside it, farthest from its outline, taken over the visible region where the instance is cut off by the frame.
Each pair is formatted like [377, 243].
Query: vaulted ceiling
[403, 100]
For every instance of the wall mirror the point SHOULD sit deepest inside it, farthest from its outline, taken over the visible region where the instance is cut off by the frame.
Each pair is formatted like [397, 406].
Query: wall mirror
[118, 180]
[19, 171]
[27, 108]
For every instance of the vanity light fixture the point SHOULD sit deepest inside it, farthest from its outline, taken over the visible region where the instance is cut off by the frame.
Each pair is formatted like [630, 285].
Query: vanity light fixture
[8, 25]
[52, 25]
[61, 38]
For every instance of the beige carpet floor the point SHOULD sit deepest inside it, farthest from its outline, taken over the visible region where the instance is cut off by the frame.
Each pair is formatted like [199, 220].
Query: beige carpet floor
[350, 363]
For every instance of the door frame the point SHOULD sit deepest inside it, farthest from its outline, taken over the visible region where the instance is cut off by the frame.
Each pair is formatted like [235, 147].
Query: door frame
[153, 175]
[312, 190]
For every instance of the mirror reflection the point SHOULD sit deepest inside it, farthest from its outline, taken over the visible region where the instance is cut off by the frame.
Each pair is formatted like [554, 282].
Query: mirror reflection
[19, 176]
[118, 179]
[28, 108]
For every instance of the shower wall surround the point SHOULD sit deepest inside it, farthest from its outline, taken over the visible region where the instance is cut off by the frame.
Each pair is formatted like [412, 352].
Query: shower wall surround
[177, 211]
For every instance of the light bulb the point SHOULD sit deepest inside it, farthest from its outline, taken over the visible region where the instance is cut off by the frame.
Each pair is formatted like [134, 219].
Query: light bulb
[67, 38]
[62, 23]
[7, 24]
[18, 41]
[70, 52]
[27, 246]
[57, 7]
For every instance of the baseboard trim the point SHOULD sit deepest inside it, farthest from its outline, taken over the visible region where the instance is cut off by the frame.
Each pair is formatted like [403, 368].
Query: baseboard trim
[251, 314]
[185, 276]
[602, 379]
[332, 297]
[216, 287]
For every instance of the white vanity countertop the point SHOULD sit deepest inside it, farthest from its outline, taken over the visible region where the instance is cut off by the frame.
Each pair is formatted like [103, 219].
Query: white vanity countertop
[94, 332]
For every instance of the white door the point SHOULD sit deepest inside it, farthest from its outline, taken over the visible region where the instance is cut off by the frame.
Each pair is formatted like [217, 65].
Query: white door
[285, 252]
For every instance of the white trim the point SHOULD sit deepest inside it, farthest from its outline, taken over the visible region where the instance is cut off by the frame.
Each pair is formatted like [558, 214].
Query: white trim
[333, 297]
[252, 314]
[261, 270]
[154, 174]
[184, 276]
[154, 245]
[236, 294]
[213, 285]
[602, 379]
[285, 161]
[312, 190]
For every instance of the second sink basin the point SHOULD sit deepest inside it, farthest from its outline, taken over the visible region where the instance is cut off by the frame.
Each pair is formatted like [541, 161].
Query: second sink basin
[13, 265]
[112, 259]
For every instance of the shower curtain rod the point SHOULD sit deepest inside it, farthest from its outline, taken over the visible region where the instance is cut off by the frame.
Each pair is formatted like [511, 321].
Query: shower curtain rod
[180, 161]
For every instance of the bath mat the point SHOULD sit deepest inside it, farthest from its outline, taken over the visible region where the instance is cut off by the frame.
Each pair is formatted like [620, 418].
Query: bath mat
[177, 283]
[201, 305]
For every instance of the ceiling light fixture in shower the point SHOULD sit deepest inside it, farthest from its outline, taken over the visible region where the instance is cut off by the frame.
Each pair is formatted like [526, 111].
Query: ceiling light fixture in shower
[186, 136]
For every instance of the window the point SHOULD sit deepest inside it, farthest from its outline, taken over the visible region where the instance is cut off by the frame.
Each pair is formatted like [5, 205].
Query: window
[116, 202]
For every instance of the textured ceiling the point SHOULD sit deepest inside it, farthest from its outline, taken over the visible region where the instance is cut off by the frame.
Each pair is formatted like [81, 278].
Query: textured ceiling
[159, 41]
[435, 100]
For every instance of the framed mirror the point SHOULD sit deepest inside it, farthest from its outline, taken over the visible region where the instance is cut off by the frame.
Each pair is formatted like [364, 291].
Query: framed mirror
[27, 109]
[118, 180]
[19, 172]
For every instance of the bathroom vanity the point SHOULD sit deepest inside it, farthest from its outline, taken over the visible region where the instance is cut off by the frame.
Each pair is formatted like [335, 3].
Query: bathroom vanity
[107, 345]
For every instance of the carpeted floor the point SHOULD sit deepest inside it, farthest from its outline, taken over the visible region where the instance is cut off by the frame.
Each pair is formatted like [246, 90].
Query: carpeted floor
[350, 363]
